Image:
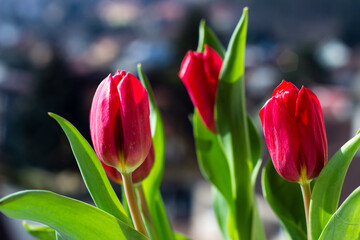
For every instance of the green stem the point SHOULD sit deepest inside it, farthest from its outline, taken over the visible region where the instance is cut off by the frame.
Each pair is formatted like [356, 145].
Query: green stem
[131, 200]
[144, 207]
[306, 192]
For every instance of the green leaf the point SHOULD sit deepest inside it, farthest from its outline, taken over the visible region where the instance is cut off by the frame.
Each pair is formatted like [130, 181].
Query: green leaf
[59, 237]
[286, 201]
[160, 218]
[180, 236]
[327, 189]
[221, 209]
[207, 36]
[256, 150]
[345, 222]
[92, 171]
[233, 130]
[71, 218]
[152, 103]
[40, 232]
[151, 184]
[211, 158]
[258, 232]
[230, 106]
[153, 181]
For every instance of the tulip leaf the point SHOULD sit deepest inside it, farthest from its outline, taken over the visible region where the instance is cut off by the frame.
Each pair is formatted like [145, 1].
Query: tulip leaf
[233, 129]
[210, 155]
[92, 171]
[327, 189]
[151, 184]
[180, 236]
[40, 232]
[59, 237]
[286, 201]
[152, 103]
[345, 222]
[221, 209]
[160, 219]
[256, 150]
[73, 219]
[207, 36]
[211, 158]
[153, 181]
[257, 227]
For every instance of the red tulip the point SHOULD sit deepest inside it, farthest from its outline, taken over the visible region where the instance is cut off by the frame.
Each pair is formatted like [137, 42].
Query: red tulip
[119, 122]
[138, 175]
[294, 131]
[200, 74]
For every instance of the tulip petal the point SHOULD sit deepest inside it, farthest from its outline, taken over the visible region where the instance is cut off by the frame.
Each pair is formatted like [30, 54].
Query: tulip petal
[134, 115]
[212, 67]
[311, 126]
[138, 175]
[103, 114]
[282, 138]
[288, 93]
[195, 80]
[284, 86]
[144, 170]
[112, 173]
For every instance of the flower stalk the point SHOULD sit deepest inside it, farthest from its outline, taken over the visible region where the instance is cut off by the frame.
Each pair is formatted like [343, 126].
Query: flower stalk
[144, 207]
[306, 193]
[133, 207]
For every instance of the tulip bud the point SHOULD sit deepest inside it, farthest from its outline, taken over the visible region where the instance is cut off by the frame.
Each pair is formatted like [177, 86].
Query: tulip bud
[119, 122]
[294, 130]
[138, 175]
[200, 75]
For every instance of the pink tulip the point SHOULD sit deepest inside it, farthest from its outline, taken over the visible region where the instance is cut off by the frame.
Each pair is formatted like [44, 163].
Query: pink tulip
[295, 132]
[119, 122]
[200, 75]
[138, 175]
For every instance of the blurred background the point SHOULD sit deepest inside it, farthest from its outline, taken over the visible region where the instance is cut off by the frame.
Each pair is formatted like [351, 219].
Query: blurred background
[53, 54]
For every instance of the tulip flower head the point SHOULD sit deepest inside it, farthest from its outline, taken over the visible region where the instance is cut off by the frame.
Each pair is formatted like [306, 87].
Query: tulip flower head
[119, 122]
[138, 175]
[294, 130]
[200, 75]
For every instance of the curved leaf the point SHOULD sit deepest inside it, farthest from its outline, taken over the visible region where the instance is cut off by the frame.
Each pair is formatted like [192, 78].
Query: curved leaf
[327, 189]
[211, 158]
[256, 150]
[345, 222]
[180, 236]
[153, 181]
[233, 130]
[285, 199]
[40, 232]
[207, 36]
[92, 171]
[151, 184]
[71, 218]
[221, 209]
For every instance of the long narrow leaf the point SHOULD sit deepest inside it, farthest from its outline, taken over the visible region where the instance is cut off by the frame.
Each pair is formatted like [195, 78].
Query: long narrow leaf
[92, 171]
[71, 218]
[211, 158]
[151, 184]
[327, 189]
[232, 126]
[207, 36]
[345, 222]
[40, 232]
[221, 209]
[285, 199]
[256, 150]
